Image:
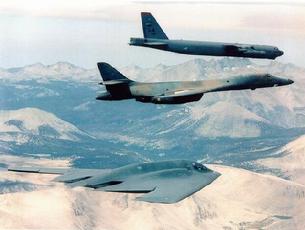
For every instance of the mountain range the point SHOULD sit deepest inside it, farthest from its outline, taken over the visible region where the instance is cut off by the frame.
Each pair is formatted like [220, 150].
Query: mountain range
[253, 120]
[49, 117]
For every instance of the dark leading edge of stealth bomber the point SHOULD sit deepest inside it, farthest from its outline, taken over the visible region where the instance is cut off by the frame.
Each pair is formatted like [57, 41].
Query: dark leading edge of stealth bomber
[154, 37]
[120, 87]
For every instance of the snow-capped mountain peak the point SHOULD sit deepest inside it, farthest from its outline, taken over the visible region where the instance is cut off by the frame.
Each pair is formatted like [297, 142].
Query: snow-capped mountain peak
[39, 71]
[290, 160]
[35, 121]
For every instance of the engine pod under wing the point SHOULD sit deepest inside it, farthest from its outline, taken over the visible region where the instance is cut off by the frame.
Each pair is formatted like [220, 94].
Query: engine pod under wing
[178, 97]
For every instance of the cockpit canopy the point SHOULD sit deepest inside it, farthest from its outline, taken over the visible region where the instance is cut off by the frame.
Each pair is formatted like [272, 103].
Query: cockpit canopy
[198, 166]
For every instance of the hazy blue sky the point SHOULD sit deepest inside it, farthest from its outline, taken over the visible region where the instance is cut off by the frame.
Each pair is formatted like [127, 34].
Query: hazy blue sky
[86, 31]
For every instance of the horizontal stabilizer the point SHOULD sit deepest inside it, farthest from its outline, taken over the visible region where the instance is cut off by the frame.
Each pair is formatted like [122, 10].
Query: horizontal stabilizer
[115, 82]
[156, 44]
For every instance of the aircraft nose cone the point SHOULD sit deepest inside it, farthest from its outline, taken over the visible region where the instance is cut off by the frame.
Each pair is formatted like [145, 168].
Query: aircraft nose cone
[290, 81]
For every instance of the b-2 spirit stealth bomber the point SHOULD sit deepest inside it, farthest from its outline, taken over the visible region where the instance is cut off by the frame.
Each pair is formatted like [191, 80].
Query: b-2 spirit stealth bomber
[161, 182]
[155, 38]
[120, 87]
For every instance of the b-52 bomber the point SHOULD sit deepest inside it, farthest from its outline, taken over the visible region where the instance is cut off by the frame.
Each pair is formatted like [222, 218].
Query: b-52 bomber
[154, 37]
[120, 87]
[161, 182]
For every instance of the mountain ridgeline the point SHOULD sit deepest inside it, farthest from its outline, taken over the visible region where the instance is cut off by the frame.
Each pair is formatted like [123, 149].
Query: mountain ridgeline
[229, 127]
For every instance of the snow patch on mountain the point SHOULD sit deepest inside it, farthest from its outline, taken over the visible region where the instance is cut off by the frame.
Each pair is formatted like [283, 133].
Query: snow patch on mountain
[290, 160]
[235, 122]
[43, 73]
[131, 140]
[10, 186]
[12, 161]
[15, 125]
[84, 106]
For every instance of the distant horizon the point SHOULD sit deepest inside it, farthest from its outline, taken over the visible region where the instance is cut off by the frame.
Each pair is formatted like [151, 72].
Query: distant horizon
[86, 32]
[254, 61]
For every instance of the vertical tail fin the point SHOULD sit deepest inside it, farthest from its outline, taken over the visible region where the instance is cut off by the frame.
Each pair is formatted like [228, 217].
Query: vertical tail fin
[151, 28]
[108, 73]
[117, 84]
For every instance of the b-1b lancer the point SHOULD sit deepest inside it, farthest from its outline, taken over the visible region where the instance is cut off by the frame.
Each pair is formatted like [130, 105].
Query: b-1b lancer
[162, 182]
[154, 37]
[120, 87]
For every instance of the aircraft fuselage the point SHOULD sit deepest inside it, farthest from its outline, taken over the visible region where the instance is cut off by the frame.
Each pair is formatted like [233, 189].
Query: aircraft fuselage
[187, 91]
[209, 48]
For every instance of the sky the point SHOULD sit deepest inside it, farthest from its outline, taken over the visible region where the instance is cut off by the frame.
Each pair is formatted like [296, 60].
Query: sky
[84, 32]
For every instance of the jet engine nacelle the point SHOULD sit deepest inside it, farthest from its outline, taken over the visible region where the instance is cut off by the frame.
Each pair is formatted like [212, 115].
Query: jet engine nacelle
[175, 99]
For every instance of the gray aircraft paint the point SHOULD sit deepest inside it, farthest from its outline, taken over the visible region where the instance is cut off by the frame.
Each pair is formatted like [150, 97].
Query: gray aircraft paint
[154, 37]
[185, 178]
[120, 87]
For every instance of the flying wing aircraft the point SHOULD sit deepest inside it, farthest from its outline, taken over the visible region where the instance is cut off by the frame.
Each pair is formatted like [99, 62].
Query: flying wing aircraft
[120, 87]
[161, 182]
[154, 37]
